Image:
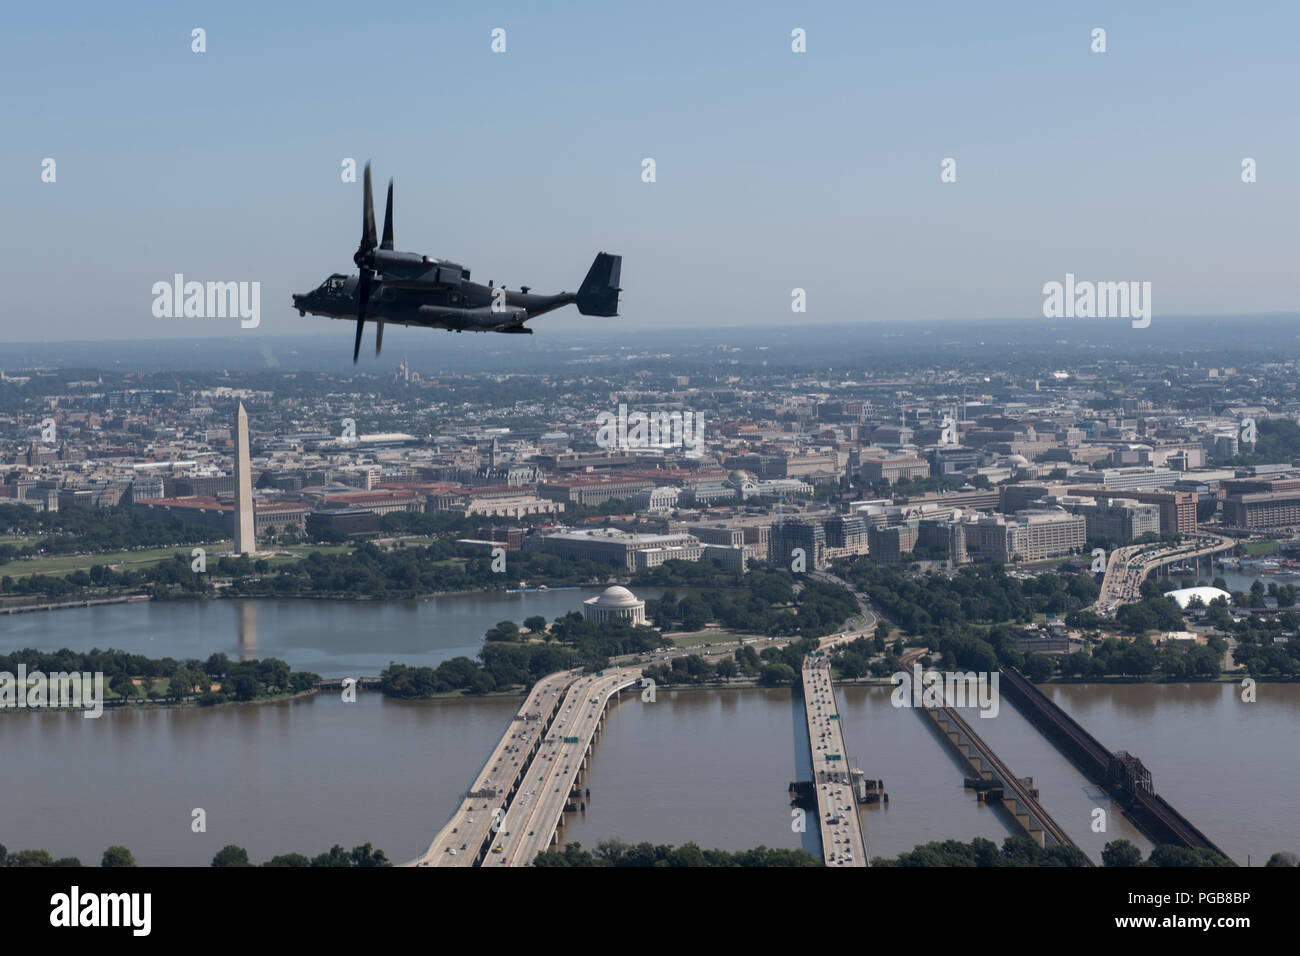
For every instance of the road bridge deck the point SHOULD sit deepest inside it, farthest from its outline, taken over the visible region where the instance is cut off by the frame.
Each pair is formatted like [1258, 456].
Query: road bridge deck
[536, 812]
[843, 842]
[466, 837]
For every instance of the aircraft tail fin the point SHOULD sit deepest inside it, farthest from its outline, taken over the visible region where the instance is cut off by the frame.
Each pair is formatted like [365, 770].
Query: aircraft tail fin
[598, 294]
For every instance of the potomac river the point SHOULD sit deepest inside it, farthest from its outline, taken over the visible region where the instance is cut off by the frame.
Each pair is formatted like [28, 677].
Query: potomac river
[705, 765]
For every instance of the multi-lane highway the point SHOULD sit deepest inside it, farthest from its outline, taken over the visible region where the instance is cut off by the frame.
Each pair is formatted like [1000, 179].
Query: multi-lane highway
[869, 617]
[1128, 567]
[843, 843]
[535, 813]
[465, 837]
[517, 802]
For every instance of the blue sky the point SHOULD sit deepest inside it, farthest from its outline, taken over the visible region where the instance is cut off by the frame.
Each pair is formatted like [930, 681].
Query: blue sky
[775, 170]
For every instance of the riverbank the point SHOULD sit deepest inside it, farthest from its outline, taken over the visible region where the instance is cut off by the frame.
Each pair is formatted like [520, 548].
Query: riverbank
[132, 598]
[221, 592]
[119, 703]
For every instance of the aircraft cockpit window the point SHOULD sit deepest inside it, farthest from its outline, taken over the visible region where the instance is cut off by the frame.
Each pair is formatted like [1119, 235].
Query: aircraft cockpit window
[335, 285]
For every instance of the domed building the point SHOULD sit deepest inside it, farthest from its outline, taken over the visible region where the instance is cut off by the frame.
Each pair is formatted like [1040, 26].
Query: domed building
[614, 604]
[745, 484]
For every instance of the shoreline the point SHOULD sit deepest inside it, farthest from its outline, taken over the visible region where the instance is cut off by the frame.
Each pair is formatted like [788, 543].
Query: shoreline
[221, 593]
[521, 693]
[164, 704]
[137, 597]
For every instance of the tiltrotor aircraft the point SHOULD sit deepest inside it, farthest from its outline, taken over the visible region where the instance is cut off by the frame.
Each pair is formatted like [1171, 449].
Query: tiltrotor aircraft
[406, 288]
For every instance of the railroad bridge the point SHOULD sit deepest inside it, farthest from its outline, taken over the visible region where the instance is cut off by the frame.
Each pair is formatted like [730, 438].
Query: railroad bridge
[1121, 774]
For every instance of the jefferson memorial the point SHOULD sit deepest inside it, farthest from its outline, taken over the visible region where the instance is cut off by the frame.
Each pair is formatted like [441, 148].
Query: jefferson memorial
[614, 604]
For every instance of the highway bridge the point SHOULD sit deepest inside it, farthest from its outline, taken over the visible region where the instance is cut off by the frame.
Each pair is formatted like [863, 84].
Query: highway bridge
[466, 839]
[532, 820]
[1127, 567]
[843, 842]
[1121, 774]
[516, 805]
[1014, 794]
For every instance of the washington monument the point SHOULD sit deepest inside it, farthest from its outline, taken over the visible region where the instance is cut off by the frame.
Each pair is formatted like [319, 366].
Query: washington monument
[245, 540]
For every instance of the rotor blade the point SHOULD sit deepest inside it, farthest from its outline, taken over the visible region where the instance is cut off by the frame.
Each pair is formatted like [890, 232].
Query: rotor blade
[388, 220]
[368, 214]
[368, 241]
[363, 297]
[379, 337]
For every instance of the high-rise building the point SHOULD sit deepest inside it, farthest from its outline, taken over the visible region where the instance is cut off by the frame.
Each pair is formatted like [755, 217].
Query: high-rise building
[1119, 520]
[889, 545]
[245, 539]
[789, 535]
[847, 533]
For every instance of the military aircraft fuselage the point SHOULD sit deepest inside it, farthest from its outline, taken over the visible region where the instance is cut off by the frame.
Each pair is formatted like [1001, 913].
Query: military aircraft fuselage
[420, 291]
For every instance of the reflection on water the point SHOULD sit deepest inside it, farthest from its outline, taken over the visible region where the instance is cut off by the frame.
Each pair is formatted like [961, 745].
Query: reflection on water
[922, 776]
[1068, 796]
[712, 767]
[331, 638]
[247, 612]
[1230, 767]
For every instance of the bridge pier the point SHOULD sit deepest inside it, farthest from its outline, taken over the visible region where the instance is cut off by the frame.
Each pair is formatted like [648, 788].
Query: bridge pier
[1122, 776]
[995, 783]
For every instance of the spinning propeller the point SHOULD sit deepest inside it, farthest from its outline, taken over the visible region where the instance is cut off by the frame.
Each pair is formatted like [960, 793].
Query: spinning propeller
[365, 261]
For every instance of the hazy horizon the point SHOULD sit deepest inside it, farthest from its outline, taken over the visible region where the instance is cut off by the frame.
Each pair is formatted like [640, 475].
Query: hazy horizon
[775, 170]
[1057, 344]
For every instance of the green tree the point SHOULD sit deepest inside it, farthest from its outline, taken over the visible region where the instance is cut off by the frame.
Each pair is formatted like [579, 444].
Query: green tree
[1181, 856]
[1038, 667]
[368, 856]
[31, 858]
[335, 856]
[504, 631]
[231, 855]
[772, 675]
[117, 856]
[1121, 853]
